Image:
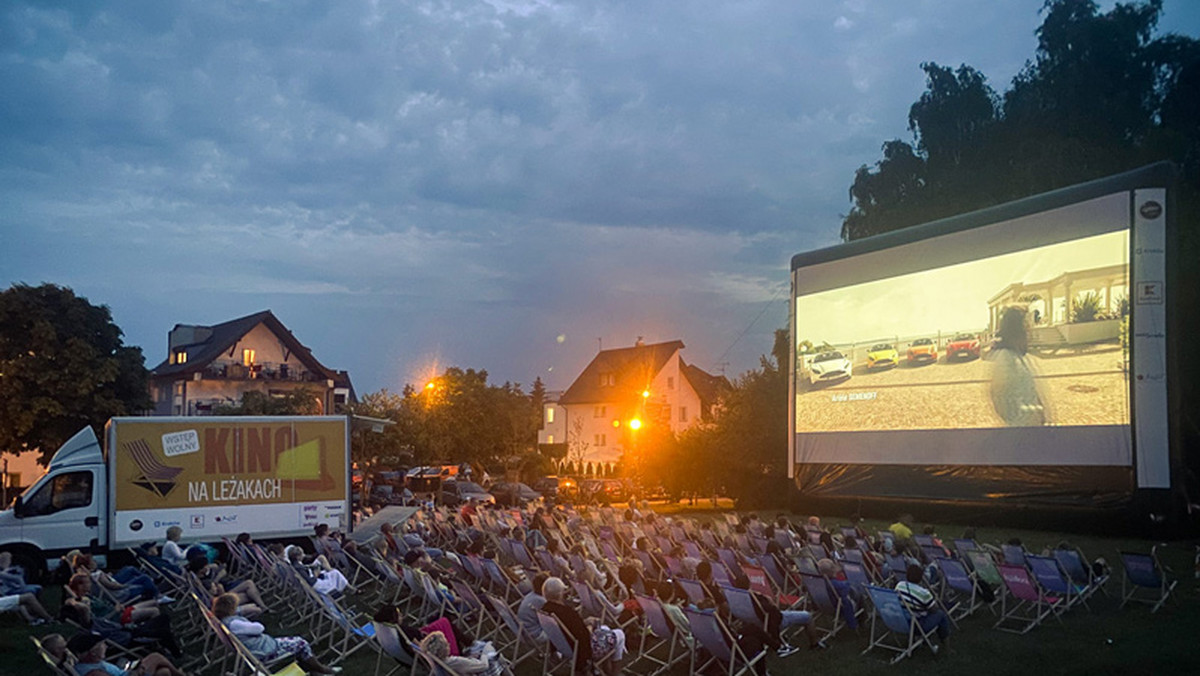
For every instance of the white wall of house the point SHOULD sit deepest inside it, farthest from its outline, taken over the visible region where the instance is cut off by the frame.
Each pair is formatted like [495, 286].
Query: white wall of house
[554, 424]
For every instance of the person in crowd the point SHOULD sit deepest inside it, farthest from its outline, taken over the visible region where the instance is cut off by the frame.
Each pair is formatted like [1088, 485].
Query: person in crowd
[261, 644]
[27, 606]
[316, 571]
[12, 578]
[251, 604]
[394, 551]
[531, 603]
[436, 644]
[127, 585]
[171, 551]
[922, 603]
[77, 595]
[153, 555]
[555, 591]
[91, 649]
[331, 547]
[668, 597]
[842, 589]
[56, 646]
[774, 621]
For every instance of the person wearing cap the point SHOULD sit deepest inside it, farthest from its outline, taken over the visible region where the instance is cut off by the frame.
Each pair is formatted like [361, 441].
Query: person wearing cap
[90, 650]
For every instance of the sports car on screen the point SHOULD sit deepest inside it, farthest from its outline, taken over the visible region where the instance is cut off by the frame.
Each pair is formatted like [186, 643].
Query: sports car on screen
[882, 356]
[829, 366]
[922, 350]
[964, 346]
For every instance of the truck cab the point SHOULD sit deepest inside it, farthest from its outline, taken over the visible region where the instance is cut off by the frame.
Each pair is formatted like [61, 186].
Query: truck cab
[63, 510]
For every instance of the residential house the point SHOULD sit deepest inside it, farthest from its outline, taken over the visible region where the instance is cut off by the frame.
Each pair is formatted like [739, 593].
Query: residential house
[208, 366]
[626, 393]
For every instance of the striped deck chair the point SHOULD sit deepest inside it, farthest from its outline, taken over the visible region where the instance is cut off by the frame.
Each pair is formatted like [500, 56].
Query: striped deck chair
[1144, 572]
[153, 475]
[892, 620]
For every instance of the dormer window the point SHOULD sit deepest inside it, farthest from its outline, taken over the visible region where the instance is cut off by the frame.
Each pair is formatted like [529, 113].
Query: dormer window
[180, 357]
[608, 379]
[247, 357]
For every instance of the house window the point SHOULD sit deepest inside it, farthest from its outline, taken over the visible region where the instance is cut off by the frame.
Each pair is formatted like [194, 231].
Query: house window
[683, 414]
[599, 412]
[247, 357]
[670, 382]
[601, 440]
[549, 416]
[180, 356]
[549, 438]
[608, 379]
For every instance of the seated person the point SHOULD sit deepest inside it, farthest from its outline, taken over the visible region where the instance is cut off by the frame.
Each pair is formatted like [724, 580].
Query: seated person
[91, 649]
[209, 576]
[317, 572]
[171, 551]
[922, 603]
[261, 644]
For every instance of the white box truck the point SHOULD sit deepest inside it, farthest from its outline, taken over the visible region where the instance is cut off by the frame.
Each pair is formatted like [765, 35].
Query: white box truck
[273, 477]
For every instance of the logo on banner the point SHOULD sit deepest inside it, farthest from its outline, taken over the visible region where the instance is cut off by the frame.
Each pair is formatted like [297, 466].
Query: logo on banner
[1149, 293]
[1150, 210]
[197, 521]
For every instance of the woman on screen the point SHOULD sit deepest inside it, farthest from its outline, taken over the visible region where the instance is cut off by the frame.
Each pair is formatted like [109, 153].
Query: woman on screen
[1014, 394]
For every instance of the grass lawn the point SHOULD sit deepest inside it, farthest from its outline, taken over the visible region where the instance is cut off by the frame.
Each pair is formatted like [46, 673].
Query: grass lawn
[1107, 640]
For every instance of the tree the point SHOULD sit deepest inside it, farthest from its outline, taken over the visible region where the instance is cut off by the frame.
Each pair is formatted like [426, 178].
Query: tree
[1102, 95]
[63, 365]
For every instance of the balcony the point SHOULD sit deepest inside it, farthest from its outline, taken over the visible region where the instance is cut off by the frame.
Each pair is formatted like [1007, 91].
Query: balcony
[264, 371]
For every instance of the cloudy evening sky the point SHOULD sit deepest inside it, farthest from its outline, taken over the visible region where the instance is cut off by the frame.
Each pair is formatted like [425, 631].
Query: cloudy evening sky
[488, 184]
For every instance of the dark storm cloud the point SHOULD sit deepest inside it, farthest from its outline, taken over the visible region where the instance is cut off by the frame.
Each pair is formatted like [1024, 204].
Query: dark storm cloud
[460, 182]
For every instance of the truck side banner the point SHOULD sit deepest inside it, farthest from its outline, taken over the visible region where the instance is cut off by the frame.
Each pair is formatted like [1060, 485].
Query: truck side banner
[222, 476]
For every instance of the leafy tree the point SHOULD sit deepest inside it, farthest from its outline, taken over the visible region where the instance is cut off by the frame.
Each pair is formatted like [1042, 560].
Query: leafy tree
[63, 365]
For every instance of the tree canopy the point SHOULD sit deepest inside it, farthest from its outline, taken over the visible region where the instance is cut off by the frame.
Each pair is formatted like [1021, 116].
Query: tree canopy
[1103, 94]
[63, 365]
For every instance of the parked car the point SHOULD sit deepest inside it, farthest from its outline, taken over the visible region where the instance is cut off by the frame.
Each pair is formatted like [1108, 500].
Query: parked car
[963, 345]
[513, 493]
[383, 495]
[557, 488]
[603, 491]
[454, 493]
[922, 350]
[882, 356]
[829, 366]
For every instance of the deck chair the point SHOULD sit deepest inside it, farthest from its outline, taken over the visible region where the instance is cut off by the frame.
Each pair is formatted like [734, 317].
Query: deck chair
[564, 644]
[1026, 604]
[244, 660]
[662, 634]
[693, 589]
[729, 559]
[501, 583]
[831, 616]
[523, 645]
[723, 650]
[959, 594]
[857, 576]
[806, 565]
[895, 564]
[761, 582]
[1086, 580]
[1014, 555]
[1052, 578]
[152, 474]
[893, 626]
[354, 632]
[1145, 575]
[64, 669]
[395, 646]
[785, 583]
[743, 606]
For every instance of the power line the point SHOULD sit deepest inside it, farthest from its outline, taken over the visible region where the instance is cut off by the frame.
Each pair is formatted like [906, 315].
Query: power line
[766, 306]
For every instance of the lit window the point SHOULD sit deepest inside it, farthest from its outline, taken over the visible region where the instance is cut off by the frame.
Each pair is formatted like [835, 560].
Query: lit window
[549, 416]
[180, 356]
[599, 412]
[607, 380]
[549, 438]
[683, 414]
[247, 357]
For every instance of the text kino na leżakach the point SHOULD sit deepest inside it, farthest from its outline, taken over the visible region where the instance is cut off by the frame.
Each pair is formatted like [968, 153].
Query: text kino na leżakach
[253, 451]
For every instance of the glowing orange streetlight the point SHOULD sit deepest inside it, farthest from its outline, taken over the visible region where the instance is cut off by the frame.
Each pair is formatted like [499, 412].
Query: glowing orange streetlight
[645, 394]
[635, 424]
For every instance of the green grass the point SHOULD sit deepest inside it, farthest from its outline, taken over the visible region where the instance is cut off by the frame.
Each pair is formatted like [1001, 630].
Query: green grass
[1107, 640]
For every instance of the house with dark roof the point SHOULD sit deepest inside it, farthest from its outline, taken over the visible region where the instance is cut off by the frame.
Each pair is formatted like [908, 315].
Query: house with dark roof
[627, 392]
[209, 366]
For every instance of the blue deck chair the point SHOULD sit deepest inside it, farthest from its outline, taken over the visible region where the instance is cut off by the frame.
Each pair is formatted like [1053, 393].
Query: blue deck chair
[564, 644]
[1144, 573]
[693, 589]
[729, 559]
[1014, 555]
[830, 618]
[893, 627]
[958, 587]
[743, 606]
[722, 648]
[1052, 578]
[964, 545]
[1026, 604]
[923, 540]
[1085, 578]
[395, 646]
[662, 635]
[693, 550]
[895, 565]
[522, 644]
[806, 565]
[857, 576]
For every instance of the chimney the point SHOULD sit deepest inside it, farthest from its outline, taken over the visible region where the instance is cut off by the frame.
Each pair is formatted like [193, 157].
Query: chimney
[640, 342]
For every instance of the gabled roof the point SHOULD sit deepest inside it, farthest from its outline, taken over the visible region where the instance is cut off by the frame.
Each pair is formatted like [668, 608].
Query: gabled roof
[707, 386]
[225, 336]
[632, 369]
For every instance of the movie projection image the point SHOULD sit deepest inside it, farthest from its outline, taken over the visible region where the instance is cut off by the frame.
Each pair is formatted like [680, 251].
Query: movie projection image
[1027, 338]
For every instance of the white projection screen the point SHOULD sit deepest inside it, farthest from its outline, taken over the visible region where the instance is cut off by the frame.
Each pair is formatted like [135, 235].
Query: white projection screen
[989, 356]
